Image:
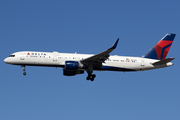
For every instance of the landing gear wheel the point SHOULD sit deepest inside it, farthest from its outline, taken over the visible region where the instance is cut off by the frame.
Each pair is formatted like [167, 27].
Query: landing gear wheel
[93, 76]
[87, 78]
[24, 73]
[92, 79]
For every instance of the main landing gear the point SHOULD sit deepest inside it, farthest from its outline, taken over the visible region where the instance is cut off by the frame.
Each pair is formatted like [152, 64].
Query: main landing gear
[90, 75]
[24, 69]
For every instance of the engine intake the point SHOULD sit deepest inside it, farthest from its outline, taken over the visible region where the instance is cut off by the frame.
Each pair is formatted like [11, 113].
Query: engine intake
[71, 65]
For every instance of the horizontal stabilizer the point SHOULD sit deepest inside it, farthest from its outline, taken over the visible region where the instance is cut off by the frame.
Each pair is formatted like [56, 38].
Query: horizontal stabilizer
[163, 61]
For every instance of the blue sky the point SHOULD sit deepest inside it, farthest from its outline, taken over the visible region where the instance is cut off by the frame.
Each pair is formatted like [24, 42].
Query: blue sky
[88, 27]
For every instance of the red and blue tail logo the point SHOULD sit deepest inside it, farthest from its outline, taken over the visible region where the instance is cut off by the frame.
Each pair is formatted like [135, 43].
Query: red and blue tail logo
[161, 49]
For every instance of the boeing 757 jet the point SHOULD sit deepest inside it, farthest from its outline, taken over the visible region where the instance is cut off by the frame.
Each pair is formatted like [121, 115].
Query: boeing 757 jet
[73, 63]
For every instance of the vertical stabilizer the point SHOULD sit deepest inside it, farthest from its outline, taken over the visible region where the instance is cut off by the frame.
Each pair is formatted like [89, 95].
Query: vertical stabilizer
[161, 49]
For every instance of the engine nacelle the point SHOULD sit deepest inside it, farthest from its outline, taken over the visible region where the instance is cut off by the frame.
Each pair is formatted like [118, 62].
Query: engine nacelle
[72, 65]
[72, 72]
[71, 68]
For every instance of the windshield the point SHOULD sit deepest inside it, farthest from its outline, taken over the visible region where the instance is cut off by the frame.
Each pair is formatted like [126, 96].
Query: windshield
[12, 56]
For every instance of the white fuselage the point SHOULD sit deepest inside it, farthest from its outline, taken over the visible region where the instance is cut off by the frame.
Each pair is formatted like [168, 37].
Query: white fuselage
[56, 59]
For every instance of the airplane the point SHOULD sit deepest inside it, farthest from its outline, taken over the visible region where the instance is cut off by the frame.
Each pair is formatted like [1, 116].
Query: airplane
[73, 63]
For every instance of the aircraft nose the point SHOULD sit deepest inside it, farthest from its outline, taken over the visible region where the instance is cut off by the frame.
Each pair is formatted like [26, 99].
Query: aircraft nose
[6, 60]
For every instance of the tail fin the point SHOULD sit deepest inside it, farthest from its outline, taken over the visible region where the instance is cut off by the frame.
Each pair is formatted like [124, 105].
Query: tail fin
[161, 49]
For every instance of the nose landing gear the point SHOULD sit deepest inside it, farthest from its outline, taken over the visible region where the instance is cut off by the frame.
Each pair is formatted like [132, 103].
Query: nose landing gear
[24, 69]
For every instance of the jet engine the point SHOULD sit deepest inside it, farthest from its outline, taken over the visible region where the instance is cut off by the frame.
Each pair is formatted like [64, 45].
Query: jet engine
[71, 68]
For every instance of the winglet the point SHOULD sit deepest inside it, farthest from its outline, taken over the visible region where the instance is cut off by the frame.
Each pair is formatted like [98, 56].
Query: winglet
[115, 44]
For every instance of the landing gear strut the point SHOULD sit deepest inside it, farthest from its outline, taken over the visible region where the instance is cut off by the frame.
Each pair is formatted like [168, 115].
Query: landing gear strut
[24, 69]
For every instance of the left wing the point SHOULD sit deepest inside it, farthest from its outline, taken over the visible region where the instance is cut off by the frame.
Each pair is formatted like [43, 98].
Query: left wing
[98, 59]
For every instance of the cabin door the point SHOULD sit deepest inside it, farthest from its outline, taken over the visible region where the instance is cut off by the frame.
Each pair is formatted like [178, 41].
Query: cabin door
[55, 58]
[142, 63]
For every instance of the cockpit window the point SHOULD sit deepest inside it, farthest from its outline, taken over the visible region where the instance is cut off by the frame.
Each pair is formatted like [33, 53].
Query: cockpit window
[12, 56]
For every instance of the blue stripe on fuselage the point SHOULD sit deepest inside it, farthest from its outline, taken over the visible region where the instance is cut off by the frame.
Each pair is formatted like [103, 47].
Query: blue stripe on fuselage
[110, 68]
